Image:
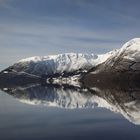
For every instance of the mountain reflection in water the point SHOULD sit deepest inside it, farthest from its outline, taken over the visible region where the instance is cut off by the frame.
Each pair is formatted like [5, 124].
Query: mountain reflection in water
[125, 101]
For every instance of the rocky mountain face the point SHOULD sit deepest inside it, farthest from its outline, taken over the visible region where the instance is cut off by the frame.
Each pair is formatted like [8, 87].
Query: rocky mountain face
[125, 59]
[123, 65]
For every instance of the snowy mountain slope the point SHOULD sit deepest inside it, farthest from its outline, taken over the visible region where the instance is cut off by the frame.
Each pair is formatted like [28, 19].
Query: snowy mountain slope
[126, 58]
[122, 65]
[59, 64]
[126, 102]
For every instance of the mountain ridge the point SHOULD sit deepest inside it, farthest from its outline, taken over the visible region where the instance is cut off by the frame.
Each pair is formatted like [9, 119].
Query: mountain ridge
[58, 64]
[115, 64]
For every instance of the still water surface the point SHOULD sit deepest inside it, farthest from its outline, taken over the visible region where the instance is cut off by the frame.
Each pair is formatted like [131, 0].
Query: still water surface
[27, 114]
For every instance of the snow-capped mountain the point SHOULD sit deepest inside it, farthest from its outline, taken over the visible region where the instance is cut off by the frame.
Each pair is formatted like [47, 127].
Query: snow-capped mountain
[58, 64]
[122, 65]
[126, 58]
[126, 102]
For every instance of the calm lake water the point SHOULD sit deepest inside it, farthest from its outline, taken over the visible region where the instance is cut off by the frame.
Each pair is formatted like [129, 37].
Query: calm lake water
[30, 113]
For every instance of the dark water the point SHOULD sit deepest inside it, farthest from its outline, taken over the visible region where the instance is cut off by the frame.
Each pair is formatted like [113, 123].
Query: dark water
[26, 113]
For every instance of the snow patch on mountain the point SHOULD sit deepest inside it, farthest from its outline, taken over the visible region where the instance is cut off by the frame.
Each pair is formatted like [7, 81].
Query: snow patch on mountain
[131, 50]
[60, 64]
[126, 58]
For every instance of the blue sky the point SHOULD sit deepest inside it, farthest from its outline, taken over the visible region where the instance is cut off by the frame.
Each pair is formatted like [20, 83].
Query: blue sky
[42, 27]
